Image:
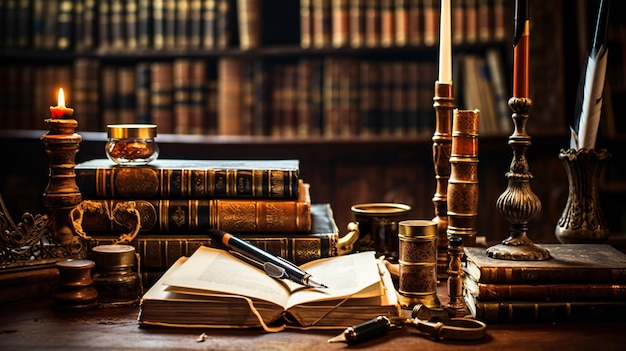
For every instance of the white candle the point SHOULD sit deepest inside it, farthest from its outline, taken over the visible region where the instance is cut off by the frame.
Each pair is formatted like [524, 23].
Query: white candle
[445, 44]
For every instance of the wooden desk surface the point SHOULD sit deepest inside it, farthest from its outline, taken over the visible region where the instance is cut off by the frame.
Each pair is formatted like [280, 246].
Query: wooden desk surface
[29, 326]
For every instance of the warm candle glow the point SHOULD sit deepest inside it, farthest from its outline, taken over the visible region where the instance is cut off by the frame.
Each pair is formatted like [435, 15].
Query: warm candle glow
[61, 98]
[60, 111]
[445, 44]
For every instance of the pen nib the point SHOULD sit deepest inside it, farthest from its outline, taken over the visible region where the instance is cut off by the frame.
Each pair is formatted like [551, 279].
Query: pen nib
[314, 283]
[339, 338]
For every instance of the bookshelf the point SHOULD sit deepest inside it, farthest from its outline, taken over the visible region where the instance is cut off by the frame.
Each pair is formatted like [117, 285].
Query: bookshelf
[202, 66]
[344, 168]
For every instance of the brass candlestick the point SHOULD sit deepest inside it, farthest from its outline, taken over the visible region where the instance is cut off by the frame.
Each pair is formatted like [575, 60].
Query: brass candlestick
[442, 145]
[61, 195]
[518, 204]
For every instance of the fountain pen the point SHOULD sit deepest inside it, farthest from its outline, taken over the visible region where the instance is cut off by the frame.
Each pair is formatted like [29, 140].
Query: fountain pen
[274, 266]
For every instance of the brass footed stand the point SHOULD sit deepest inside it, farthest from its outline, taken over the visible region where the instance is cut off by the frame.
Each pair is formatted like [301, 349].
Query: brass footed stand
[518, 204]
[442, 145]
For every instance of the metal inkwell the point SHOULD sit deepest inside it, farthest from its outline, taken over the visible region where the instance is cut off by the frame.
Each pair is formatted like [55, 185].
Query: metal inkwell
[132, 144]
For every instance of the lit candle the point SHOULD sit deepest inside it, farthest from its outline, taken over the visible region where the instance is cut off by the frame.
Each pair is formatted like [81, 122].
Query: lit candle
[445, 44]
[60, 111]
[521, 49]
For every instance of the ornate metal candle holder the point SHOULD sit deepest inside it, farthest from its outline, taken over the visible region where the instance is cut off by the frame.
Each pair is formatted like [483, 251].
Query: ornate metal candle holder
[518, 204]
[582, 220]
[442, 144]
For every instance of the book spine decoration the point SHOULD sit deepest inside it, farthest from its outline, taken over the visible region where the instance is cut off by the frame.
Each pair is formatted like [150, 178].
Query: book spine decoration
[183, 216]
[148, 182]
[418, 263]
[463, 182]
[547, 312]
[161, 252]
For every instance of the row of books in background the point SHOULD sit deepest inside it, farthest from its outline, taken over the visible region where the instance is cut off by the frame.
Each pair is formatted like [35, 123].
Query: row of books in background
[218, 24]
[317, 96]
[175, 202]
[119, 24]
[399, 23]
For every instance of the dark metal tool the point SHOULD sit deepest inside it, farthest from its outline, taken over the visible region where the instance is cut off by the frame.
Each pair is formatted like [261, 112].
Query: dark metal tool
[430, 322]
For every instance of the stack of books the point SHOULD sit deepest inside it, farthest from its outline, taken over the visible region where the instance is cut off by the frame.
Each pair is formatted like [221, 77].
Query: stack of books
[165, 208]
[578, 282]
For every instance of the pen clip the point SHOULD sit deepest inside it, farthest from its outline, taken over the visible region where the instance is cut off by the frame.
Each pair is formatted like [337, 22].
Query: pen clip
[274, 271]
[288, 262]
[247, 259]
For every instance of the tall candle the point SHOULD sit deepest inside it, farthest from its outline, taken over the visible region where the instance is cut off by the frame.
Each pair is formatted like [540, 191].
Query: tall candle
[445, 44]
[521, 49]
[60, 111]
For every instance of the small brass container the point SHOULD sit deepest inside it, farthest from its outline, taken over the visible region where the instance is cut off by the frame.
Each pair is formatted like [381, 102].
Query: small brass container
[418, 263]
[116, 282]
[132, 144]
[378, 227]
[76, 290]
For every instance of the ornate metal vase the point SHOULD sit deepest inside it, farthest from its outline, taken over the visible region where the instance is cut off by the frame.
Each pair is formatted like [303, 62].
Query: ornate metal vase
[582, 220]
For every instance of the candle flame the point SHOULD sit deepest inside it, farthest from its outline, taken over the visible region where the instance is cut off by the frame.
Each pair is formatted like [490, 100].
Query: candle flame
[61, 98]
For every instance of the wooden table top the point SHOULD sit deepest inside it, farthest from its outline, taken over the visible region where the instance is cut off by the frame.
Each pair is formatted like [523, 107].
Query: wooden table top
[34, 325]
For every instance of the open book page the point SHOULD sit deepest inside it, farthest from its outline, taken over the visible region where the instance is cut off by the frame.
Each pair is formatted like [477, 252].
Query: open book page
[351, 311]
[211, 270]
[166, 308]
[355, 276]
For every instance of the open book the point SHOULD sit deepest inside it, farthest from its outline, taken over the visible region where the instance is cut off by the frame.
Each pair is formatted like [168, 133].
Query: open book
[213, 288]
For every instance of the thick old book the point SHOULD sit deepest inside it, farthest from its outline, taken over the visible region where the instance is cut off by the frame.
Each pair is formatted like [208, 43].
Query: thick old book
[161, 251]
[545, 292]
[173, 178]
[568, 263]
[249, 21]
[517, 311]
[161, 96]
[229, 96]
[180, 216]
[213, 288]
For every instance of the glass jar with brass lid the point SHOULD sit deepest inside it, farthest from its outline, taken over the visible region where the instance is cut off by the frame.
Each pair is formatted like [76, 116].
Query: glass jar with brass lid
[114, 278]
[132, 144]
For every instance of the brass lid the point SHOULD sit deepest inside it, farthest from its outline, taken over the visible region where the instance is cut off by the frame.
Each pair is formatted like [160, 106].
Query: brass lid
[113, 256]
[417, 227]
[380, 208]
[132, 131]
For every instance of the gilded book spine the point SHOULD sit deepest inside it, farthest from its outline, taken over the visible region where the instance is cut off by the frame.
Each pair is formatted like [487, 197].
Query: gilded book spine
[559, 311]
[150, 182]
[182, 216]
[163, 251]
[545, 292]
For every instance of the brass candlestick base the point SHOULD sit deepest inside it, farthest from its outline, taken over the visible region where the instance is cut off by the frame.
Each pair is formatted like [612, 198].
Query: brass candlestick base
[61, 195]
[442, 145]
[518, 204]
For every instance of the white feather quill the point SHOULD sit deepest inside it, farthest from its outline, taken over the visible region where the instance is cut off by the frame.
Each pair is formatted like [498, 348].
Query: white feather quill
[584, 129]
[589, 119]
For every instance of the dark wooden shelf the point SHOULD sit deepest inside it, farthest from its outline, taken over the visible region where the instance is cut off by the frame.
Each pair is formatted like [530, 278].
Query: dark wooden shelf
[419, 53]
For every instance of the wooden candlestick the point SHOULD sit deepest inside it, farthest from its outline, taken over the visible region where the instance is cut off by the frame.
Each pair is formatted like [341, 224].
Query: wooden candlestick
[442, 145]
[62, 194]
